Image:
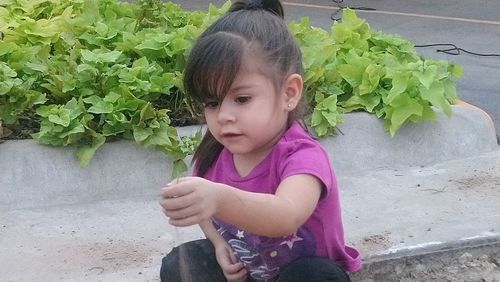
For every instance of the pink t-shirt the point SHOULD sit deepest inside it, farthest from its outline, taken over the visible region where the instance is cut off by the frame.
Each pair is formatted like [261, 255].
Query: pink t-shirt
[321, 235]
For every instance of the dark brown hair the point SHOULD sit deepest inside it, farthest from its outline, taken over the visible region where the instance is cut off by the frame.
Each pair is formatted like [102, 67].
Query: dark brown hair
[218, 53]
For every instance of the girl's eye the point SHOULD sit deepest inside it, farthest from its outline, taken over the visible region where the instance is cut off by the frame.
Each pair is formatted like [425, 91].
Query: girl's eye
[211, 104]
[242, 99]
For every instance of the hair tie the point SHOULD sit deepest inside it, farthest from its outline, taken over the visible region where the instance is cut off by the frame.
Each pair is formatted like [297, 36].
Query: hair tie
[255, 5]
[272, 6]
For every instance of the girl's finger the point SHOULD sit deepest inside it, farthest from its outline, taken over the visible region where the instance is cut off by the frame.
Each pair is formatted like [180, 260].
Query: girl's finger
[164, 211]
[177, 203]
[178, 180]
[225, 260]
[184, 222]
[190, 211]
[234, 268]
[238, 275]
[175, 190]
[233, 257]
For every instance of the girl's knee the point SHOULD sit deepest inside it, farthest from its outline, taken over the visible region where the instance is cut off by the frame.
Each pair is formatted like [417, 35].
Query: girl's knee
[169, 270]
[191, 261]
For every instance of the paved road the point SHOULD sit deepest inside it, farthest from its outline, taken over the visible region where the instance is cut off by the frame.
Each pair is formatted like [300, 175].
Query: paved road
[471, 25]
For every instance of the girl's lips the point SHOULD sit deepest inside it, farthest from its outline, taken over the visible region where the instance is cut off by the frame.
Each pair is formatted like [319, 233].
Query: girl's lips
[230, 135]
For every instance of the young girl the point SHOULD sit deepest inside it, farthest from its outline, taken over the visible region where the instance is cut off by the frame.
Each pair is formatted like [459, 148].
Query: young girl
[264, 193]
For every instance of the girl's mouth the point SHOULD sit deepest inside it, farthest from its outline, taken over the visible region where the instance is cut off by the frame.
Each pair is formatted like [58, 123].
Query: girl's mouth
[231, 135]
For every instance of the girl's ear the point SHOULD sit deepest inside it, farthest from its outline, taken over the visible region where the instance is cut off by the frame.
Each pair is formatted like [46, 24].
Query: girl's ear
[292, 91]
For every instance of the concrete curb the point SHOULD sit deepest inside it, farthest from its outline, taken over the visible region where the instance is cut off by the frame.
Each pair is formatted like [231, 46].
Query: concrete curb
[364, 144]
[125, 169]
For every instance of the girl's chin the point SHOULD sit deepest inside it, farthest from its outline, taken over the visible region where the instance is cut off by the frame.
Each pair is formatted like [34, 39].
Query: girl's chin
[237, 150]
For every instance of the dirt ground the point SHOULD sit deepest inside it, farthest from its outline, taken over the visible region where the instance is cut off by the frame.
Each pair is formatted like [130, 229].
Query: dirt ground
[479, 264]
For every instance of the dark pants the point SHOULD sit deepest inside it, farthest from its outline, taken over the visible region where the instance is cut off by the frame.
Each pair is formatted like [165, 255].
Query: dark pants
[195, 262]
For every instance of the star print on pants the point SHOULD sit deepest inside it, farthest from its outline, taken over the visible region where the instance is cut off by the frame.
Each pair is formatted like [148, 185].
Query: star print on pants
[291, 240]
[239, 234]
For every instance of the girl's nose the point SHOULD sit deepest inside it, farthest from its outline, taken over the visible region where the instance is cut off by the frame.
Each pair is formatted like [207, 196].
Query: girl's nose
[225, 113]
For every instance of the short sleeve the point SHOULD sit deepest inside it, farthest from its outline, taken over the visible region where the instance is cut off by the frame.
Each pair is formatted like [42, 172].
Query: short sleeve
[307, 157]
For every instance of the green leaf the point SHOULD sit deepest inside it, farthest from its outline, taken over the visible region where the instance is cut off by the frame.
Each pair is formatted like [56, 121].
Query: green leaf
[112, 130]
[38, 66]
[94, 99]
[8, 47]
[100, 57]
[61, 117]
[6, 71]
[367, 102]
[370, 79]
[110, 57]
[450, 91]
[159, 137]
[325, 115]
[435, 95]
[399, 85]
[456, 70]
[353, 74]
[179, 168]
[427, 76]
[85, 153]
[141, 63]
[147, 113]
[112, 97]
[405, 109]
[141, 133]
[101, 29]
[101, 107]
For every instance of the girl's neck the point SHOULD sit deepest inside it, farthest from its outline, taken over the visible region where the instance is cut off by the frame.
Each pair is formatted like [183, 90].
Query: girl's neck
[245, 163]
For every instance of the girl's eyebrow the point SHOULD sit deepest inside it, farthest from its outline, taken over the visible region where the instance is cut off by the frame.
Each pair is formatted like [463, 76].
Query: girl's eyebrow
[241, 87]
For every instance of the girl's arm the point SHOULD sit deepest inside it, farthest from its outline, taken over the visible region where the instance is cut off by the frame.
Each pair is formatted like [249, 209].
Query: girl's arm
[194, 200]
[233, 269]
[271, 215]
[211, 233]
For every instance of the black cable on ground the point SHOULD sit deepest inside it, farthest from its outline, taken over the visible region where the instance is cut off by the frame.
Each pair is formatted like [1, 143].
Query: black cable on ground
[454, 50]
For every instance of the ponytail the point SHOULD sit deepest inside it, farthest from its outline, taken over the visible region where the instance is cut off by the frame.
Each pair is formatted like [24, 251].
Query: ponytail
[272, 6]
[204, 158]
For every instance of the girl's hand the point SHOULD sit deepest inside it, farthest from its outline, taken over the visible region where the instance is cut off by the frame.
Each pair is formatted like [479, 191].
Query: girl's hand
[189, 200]
[234, 271]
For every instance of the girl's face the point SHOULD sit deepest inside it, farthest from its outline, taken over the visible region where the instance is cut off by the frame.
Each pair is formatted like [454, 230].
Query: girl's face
[251, 117]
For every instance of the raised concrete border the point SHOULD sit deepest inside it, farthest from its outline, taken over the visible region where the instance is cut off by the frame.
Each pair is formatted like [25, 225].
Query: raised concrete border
[363, 143]
[433, 185]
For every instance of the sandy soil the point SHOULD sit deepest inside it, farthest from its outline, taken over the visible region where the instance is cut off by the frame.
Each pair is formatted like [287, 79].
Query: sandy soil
[482, 264]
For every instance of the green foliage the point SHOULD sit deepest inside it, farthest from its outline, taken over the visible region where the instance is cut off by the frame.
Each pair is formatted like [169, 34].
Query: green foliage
[360, 69]
[93, 71]
[354, 68]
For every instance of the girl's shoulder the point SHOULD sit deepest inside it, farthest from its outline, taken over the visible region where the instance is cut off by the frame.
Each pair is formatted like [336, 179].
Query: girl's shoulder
[299, 153]
[298, 145]
[297, 138]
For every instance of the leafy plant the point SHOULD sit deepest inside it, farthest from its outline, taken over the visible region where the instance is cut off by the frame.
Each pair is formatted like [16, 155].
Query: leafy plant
[355, 68]
[85, 72]
[95, 71]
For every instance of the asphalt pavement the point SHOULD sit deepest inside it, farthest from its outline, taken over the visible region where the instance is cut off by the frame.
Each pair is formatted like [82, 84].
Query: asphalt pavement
[471, 25]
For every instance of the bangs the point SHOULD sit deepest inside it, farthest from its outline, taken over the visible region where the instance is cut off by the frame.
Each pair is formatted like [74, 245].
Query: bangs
[213, 65]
